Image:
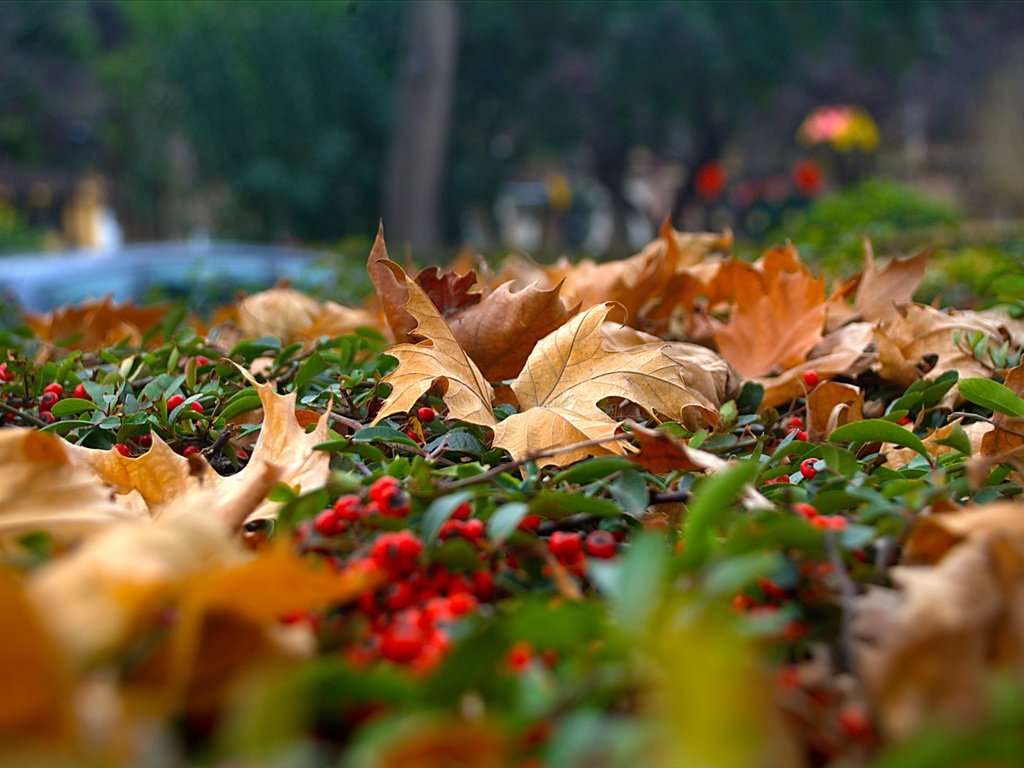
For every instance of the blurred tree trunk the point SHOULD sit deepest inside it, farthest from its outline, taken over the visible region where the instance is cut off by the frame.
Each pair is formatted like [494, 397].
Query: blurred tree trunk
[419, 145]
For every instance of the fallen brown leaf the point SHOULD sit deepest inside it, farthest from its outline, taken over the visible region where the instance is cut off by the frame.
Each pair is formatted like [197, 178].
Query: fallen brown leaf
[437, 358]
[881, 291]
[830, 405]
[918, 332]
[777, 316]
[570, 371]
[392, 291]
[500, 332]
[95, 323]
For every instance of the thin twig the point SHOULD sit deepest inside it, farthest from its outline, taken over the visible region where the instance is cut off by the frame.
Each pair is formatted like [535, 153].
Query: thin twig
[225, 434]
[969, 415]
[33, 420]
[664, 497]
[345, 421]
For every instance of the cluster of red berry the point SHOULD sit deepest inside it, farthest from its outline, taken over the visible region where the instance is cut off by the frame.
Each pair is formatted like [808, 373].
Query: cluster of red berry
[407, 619]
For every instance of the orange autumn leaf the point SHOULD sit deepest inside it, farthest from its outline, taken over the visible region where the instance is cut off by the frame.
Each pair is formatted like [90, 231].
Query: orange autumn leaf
[392, 291]
[777, 316]
[832, 404]
[42, 489]
[95, 323]
[439, 358]
[35, 705]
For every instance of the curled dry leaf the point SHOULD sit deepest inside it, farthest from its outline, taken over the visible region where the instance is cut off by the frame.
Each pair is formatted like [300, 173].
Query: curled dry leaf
[500, 332]
[160, 477]
[392, 290]
[880, 291]
[449, 291]
[437, 358]
[42, 489]
[919, 334]
[661, 453]
[96, 323]
[570, 371]
[777, 317]
[832, 404]
[94, 599]
[928, 650]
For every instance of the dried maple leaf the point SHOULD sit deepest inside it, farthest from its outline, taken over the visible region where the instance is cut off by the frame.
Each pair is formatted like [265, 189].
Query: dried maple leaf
[919, 332]
[392, 291]
[95, 323]
[570, 371]
[843, 352]
[928, 651]
[500, 332]
[450, 292]
[37, 688]
[160, 477]
[777, 316]
[337, 320]
[94, 598]
[437, 358]
[41, 489]
[880, 291]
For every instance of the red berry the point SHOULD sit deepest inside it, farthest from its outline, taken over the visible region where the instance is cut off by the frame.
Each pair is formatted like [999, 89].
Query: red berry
[530, 523]
[905, 421]
[801, 435]
[811, 379]
[348, 508]
[202, 360]
[80, 393]
[565, 545]
[5, 375]
[384, 487]
[146, 440]
[461, 603]
[397, 552]
[519, 655]
[47, 401]
[190, 450]
[483, 584]
[426, 414]
[807, 469]
[472, 530]
[855, 722]
[805, 509]
[326, 523]
[55, 388]
[195, 406]
[399, 596]
[462, 512]
[796, 422]
[600, 544]
[450, 529]
[46, 416]
[401, 643]
[123, 449]
[241, 455]
[174, 401]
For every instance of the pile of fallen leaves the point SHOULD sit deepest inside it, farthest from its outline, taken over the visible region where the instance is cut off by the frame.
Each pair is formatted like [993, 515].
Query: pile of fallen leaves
[678, 509]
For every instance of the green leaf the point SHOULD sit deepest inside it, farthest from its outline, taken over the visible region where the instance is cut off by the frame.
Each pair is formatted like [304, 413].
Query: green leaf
[592, 469]
[241, 402]
[880, 430]
[712, 498]
[73, 405]
[557, 504]
[957, 440]
[630, 490]
[314, 366]
[439, 511]
[382, 434]
[734, 573]
[938, 388]
[993, 395]
[505, 521]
